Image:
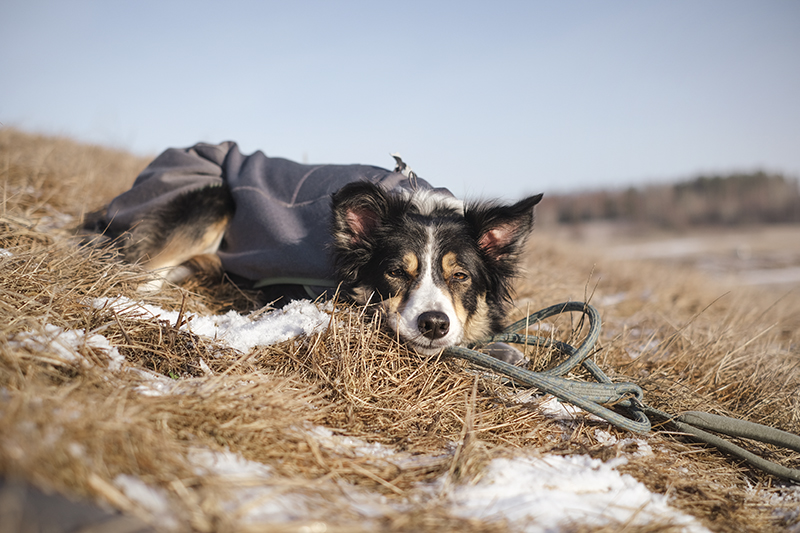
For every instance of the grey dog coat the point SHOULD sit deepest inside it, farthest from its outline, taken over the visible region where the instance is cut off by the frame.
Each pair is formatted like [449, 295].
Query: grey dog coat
[281, 225]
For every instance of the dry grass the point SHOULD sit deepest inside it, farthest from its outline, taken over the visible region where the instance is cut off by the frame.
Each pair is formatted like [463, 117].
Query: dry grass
[76, 428]
[692, 345]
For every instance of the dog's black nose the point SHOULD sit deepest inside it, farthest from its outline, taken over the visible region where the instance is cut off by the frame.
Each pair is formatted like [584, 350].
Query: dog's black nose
[433, 324]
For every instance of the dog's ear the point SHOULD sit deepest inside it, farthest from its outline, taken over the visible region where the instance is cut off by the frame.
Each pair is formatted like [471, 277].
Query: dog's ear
[501, 230]
[358, 209]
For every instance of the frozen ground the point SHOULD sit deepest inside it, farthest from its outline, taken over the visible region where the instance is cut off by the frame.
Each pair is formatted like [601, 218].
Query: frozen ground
[536, 492]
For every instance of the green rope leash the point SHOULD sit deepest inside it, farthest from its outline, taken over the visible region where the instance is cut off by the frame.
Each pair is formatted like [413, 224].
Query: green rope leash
[594, 397]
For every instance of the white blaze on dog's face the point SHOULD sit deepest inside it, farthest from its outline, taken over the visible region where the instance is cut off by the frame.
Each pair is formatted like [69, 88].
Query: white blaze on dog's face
[439, 272]
[422, 309]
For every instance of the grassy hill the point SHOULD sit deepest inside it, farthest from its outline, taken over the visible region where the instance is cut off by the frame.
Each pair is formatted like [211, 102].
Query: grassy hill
[98, 427]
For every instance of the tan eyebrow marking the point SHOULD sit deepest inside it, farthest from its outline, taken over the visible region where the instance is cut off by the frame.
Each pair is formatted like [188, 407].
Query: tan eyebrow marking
[449, 265]
[411, 264]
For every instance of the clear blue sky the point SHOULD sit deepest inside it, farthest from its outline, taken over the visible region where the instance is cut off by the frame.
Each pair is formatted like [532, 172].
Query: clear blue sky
[488, 99]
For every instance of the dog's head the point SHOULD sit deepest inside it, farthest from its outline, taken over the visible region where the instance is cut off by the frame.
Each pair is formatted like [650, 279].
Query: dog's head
[439, 270]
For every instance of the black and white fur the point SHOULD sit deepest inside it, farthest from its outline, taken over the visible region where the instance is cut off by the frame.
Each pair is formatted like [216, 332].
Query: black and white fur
[438, 269]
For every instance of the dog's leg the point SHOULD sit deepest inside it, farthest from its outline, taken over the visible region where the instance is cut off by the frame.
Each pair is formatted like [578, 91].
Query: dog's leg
[185, 253]
[209, 264]
[189, 228]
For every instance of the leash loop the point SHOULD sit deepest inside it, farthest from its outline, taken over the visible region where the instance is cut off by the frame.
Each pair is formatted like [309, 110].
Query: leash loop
[591, 397]
[596, 397]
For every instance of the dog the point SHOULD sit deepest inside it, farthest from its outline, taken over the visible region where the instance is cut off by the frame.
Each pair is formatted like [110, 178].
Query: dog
[438, 269]
[441, 271]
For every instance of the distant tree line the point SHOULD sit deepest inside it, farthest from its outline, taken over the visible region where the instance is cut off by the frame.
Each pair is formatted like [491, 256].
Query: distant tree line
[706, 200]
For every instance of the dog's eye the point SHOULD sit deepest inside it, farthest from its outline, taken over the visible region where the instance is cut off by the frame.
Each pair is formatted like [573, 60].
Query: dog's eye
[397, 273]
[460, 276]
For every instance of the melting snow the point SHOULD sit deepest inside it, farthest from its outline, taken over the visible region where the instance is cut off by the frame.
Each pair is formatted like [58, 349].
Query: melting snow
[255, 496]
[66, 345]
[226, 463]
[558, 410]
[536, 493]
[240, 332]
[153, 499]
[545, 493]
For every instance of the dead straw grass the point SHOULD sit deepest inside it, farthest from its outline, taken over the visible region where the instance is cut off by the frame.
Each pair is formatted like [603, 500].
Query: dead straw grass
[76, 428]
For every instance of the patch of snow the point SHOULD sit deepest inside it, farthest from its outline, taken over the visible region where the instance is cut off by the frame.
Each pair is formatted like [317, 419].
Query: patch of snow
[240, 332]
[604, 437]
[342, 443]
[99, 342]
[153, 384]
[226, 463]
[154, 500]
[552, 492]
[535, 494]
[66, 345]
[643, 448]
[76, 450]
[255, 497]
[558, 410]
[205, 368]
[785, 503]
